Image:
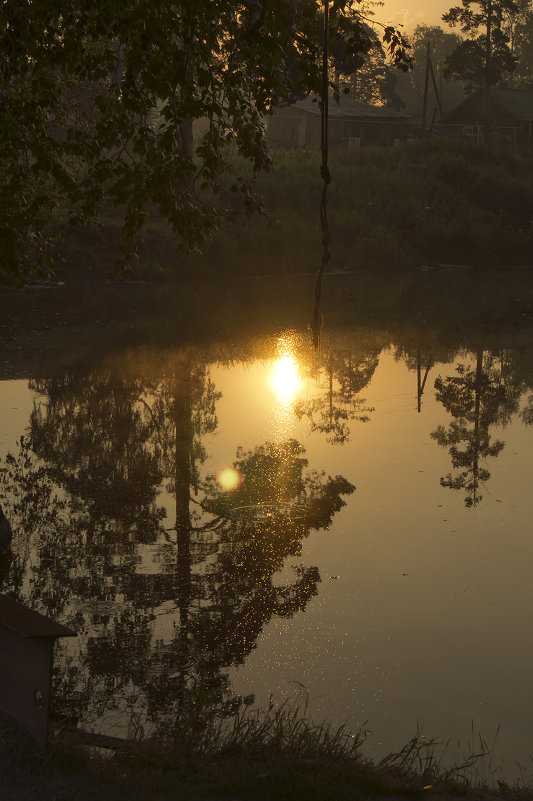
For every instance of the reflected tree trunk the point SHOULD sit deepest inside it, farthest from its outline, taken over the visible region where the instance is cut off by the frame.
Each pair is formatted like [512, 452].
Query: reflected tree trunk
[478, 397]
[477, 410]
[182, 481]
[331, 396]
[187, 136]
[421, 382]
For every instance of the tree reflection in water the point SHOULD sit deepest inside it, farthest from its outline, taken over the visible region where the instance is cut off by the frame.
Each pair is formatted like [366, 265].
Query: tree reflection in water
[478, 397]
[342, 375]
[161, 611]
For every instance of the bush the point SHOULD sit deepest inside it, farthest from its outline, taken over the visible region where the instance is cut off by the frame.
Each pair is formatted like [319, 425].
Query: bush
[429, 201]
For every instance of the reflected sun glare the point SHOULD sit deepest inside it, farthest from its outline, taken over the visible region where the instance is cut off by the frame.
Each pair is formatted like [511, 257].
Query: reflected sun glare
[285, 378]
[229, 479]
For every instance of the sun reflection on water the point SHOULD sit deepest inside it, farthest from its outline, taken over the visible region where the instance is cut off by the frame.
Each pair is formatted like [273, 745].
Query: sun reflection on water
[286, 384]
[285, 378]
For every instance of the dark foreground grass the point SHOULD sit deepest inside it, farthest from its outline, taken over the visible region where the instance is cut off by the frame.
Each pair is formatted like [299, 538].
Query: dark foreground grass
[278, 754]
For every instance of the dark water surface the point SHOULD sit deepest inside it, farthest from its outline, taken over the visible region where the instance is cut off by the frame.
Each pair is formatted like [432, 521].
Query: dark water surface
[239, 519]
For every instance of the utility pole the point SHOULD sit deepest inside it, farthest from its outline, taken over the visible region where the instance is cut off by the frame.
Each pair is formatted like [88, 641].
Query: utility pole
[437, 93]
[426, 87]
[488, 68]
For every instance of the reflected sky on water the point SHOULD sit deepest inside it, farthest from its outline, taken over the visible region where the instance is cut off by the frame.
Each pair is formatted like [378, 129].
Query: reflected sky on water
[356, 521]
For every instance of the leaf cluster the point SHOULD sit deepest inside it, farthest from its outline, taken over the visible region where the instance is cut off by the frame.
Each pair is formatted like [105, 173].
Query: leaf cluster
[98, 102]
[485, 55]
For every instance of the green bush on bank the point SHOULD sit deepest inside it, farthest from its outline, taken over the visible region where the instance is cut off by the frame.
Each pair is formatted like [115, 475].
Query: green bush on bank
[424, 202]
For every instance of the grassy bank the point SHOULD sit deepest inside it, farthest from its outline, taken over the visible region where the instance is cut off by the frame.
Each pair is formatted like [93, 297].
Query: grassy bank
[421, 203]
[278, 754]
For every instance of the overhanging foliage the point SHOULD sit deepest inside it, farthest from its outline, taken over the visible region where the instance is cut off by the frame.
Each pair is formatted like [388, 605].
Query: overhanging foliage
[98, 100]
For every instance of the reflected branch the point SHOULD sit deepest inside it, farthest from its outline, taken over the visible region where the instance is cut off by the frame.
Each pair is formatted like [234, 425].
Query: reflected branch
[478, 397]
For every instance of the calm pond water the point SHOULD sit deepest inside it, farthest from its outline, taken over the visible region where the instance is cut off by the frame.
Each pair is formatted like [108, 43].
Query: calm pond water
[243, 520]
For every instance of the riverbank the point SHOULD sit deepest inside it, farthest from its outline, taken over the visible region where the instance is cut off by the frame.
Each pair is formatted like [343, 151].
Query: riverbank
[44, 326]
[75, 776]
[253, 771]
[418, 205]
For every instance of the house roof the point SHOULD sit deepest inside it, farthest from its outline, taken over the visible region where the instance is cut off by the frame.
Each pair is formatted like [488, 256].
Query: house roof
[28, 623]
[350, 109]
[516, 102]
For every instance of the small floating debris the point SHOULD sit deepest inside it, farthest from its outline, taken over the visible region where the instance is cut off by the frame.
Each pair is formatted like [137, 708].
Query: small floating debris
[45, 285]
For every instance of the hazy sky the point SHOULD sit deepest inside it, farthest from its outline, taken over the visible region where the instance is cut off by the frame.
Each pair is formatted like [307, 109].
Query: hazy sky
[415, 12]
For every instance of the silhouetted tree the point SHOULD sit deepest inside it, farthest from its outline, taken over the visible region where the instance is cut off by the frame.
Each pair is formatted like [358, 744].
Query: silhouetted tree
[96, 436]
[485, 56]
[148, 76]
[521, 43]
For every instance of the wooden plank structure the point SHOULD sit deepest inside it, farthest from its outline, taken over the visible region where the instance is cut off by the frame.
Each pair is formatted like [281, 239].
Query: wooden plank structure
[26, 659]
[508, 120]
[351, 124]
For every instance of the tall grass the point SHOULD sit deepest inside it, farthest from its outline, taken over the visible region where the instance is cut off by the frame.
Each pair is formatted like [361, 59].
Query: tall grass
[428, 759]
[396, 208]
[280, 754]
[426, 202]
[281, 728]
[287, 730]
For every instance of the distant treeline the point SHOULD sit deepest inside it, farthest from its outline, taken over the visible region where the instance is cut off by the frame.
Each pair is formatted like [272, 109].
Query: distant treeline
[479, 44]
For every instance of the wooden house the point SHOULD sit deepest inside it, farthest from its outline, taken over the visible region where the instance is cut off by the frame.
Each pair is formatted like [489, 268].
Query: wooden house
[26, 660]
[351, 125]
[510, 117]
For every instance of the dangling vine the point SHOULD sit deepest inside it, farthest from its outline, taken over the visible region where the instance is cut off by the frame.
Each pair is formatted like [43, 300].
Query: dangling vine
[316, 322]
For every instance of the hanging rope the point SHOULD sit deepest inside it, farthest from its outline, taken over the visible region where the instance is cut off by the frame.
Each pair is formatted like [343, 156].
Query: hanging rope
[316, 322]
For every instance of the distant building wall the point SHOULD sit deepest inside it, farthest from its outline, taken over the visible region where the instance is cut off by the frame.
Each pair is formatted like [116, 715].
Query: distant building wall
[293, 127]
[510, 119]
